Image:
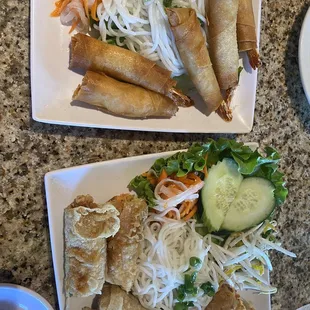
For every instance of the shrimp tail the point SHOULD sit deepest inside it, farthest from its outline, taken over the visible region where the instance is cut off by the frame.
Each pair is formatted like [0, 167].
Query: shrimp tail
[224, 110]
[254, 58]
[179, 98]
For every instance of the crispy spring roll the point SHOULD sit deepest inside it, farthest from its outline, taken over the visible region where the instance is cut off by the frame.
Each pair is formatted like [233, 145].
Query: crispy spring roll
[123, 99]
[192, 47]
[247, 41]
[222, 31]
[124, 247]
[87, 225]
[91, 54]
[114, 298]
[227, 298]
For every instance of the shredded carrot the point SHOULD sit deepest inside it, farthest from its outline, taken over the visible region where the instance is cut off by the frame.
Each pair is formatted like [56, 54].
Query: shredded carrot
[171, 215]
[74, 24]
[93, 12]
[190, 214]
[163, 175]
[85, 3]
[186, 207]
[60, 6]
[190, 179]
[151, 178]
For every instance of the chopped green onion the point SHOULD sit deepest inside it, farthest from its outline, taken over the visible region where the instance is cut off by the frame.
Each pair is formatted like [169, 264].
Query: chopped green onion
[195, 291]
[183, 305]
[167, 3]
[181, 293]
[208, 289]
[195, 262]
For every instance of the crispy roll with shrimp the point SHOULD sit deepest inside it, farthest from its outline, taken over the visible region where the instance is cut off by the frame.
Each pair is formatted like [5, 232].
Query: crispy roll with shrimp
[91, 54]
[113, 297]
[123, 99]
[247, 41]
[87, 225]
[227, 298]
[123, 248]
[192, 47]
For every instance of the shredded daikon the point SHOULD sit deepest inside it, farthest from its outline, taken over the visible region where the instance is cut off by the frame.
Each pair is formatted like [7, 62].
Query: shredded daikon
[168, 246]
[142, 26]
[185, 193]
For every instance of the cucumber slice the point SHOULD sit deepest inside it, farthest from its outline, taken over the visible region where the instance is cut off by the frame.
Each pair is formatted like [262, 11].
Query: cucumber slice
[219, 191]
[253, 204]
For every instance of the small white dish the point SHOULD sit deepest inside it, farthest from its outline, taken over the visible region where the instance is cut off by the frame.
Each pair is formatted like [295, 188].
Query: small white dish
[52, 86]
[15, 297]
[102, 180]
[304, 54]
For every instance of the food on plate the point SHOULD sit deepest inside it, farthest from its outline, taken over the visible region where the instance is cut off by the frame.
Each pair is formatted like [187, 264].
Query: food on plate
[91, 54]
[121, 98]
[182, 263]
[114, 298]
[165, 251]
[72, 12]
[254, 201]
[193, 51]
[137, 25]
[227, 298]
[87, 225]
[152, 43]
[220, 190]
[123, 249]
[223, 47]
[246, 34]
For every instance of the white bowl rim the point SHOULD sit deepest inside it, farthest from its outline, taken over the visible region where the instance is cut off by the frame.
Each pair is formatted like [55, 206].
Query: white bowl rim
[302, 57]
[28, 291]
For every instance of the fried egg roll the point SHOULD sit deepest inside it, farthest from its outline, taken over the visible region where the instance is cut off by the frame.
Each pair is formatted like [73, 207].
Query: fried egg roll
[226, 298]
[114, 298]
[222, 39]
[123, 249]
[191, 45]
[246, 32]
[87, 225]
[91, 54]
[123, 99]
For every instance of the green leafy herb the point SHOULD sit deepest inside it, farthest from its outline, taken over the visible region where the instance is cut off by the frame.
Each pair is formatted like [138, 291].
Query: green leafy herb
[250, 163]
[181, 294]
[195, 261]
[183, 305]
[208, 289]
[143, 188]
[167, 3]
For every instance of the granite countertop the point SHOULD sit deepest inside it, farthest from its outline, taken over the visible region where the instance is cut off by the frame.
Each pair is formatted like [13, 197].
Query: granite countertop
[28, 150]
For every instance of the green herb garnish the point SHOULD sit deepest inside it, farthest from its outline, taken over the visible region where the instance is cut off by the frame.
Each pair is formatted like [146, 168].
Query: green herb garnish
[250, 164]
[167, 3]
[142, 186]
[183, 305]
[208, 289]
[195, 262]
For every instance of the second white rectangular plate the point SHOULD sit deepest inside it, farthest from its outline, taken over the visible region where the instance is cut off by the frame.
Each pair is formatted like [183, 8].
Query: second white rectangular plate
[103, 181]
[52, 86]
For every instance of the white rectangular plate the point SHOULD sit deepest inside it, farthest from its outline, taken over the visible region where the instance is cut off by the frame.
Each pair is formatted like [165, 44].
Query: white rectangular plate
[52, 86]
[103, 181]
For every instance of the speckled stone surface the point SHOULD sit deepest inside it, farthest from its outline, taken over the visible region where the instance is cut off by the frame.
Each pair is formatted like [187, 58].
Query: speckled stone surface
[28, 150]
